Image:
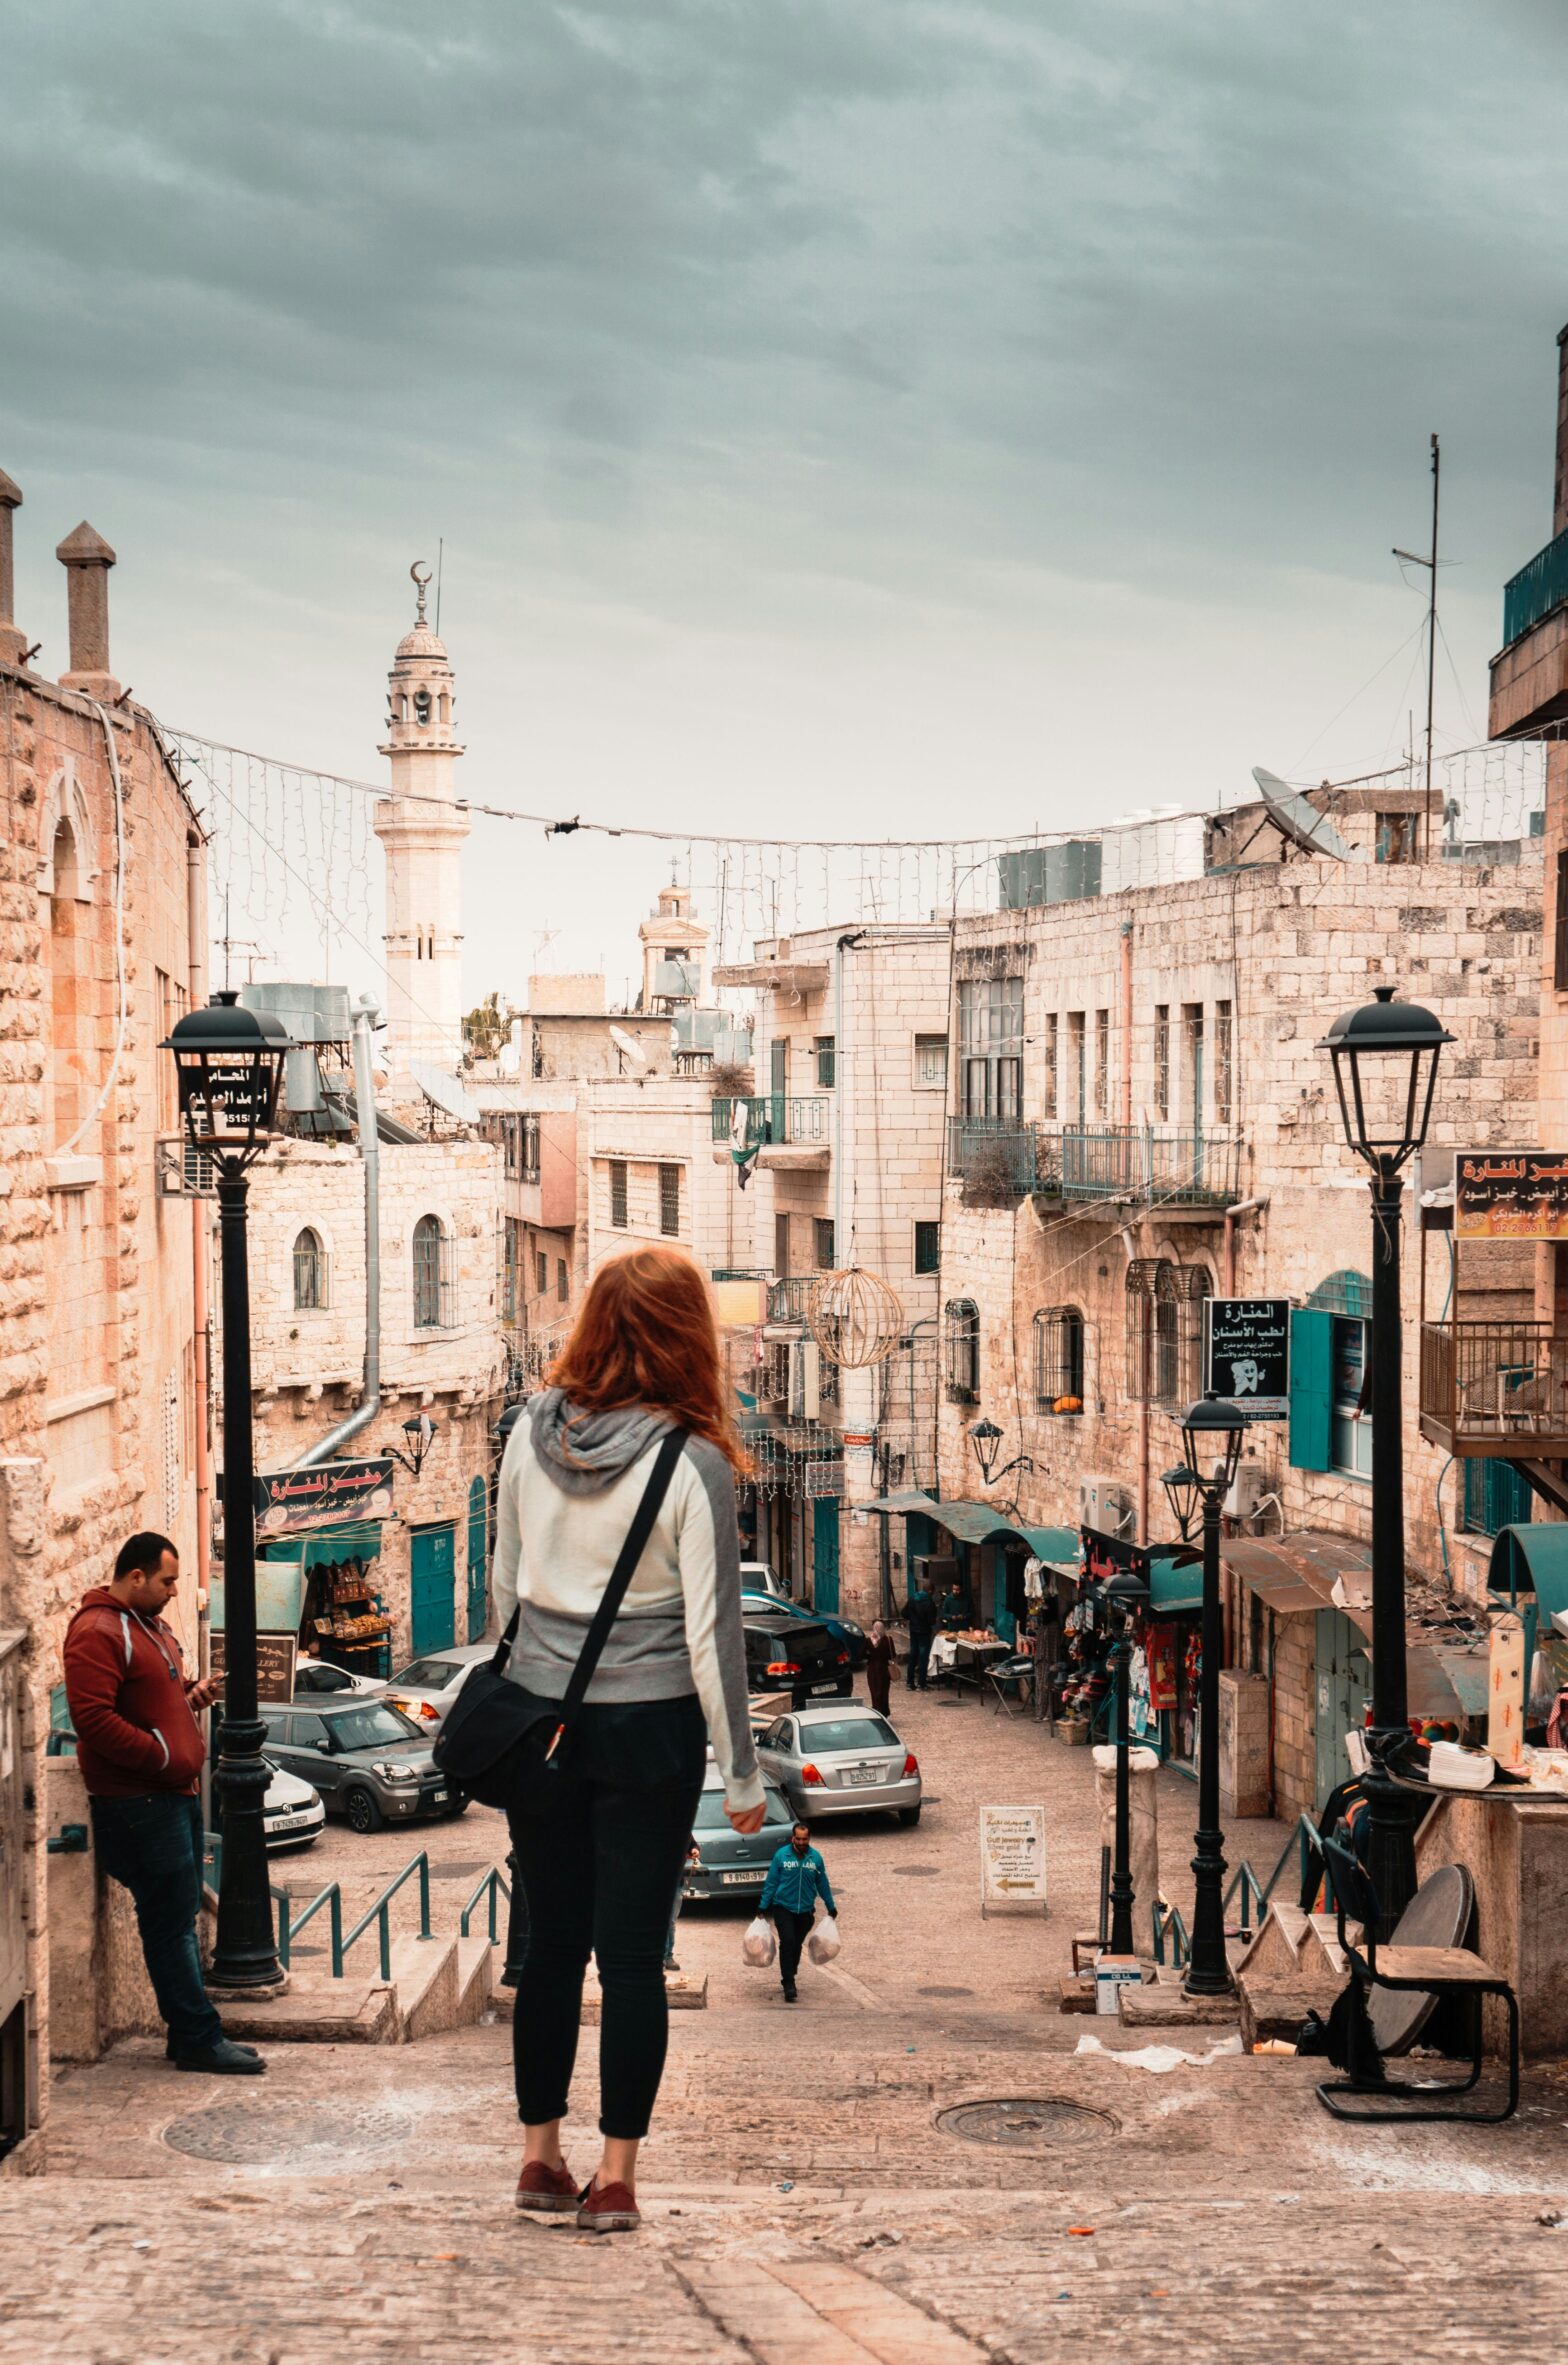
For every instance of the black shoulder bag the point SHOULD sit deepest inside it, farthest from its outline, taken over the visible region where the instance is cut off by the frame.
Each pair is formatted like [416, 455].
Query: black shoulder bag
[501, 1743]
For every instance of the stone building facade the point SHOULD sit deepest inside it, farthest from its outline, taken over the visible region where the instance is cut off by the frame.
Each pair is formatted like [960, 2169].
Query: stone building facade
[103, 1260]
[847, 1112]
[1141, 1118]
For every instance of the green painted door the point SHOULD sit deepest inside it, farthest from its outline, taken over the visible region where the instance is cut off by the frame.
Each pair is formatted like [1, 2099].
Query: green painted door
[478, 1536]
[824, 1555]
[432, 1575]
[1344, 1685]
[919, 1541]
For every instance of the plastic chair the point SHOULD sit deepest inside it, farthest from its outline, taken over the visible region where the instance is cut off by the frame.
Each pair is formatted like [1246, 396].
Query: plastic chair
[1440, 1970]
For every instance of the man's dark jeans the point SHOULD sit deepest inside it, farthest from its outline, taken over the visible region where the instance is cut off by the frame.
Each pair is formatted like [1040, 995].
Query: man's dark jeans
[152, 1846]
[599, 1868]
[917, 1667]
[793, 1929]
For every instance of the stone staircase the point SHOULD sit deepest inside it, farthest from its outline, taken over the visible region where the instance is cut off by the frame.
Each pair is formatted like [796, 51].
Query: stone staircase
[436, 1984]
[1295, 1965]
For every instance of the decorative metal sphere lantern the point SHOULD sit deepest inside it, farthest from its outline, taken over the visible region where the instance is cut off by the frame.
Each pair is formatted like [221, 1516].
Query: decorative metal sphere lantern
[229, 1064]
[855, 1317]
[1385, 1071]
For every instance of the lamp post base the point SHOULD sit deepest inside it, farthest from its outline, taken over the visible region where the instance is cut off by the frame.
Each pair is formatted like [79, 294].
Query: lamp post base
[1392, 1816]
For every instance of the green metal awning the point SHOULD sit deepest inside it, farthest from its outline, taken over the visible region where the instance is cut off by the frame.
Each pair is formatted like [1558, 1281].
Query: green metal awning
[360, 1539]
[908, 1499]
[971, 1523]
[982, 1523]
[1058, 1544]
[1175, 1583]
[1532, 1559]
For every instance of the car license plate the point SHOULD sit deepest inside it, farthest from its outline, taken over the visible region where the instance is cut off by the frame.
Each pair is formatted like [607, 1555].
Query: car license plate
[291, 1822]
[731, 1880]
[864, 1774]
[823, 1687]
[438, 1798]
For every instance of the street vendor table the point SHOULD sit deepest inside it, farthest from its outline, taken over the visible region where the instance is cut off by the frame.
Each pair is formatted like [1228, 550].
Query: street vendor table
[973, 1660]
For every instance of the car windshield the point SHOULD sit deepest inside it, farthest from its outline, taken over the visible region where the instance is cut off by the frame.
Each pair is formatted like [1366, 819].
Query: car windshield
[370, 1727]
[710, 1810]
[848, 1732]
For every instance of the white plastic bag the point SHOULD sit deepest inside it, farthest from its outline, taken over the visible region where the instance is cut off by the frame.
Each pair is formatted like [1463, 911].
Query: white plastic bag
[760, 1945]
[824, 1942]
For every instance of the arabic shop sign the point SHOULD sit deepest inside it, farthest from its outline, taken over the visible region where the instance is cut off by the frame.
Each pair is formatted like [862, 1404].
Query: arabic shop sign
[300, 1502]
[1511, 1195]
[1246, 1353]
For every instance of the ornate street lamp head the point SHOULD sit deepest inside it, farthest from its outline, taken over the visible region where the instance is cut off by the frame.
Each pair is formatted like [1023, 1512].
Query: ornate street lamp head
[1211, 1432]
[1124, 1594]
[1385, 1071]
[420, 1432]
[1184, 1492]
[986, 1438]
[229, 1063]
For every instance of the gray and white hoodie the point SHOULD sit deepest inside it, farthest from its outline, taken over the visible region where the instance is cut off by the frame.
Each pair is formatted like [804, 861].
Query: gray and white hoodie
[569, 1488]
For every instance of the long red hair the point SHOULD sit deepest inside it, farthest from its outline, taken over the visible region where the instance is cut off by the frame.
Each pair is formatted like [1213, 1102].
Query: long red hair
[646, 1335]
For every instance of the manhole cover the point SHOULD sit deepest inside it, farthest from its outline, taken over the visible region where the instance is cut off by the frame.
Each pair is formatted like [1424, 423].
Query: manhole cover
[1027, 2124]
[944, 1991]
[916, 1872]
[285, 2134]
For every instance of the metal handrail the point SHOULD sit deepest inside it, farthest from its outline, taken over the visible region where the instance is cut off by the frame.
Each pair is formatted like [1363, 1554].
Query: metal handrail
[1169, 1924]
[493, 1884]
[1305, 1843]
[288, 1930]
[379, 1913]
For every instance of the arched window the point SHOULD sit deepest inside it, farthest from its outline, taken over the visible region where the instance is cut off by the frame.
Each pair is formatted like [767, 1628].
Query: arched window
[1058, 1360]
[433, 1277]
[962, 1343]
[310, 1273]
[1151, 1330]
[1192, 1284]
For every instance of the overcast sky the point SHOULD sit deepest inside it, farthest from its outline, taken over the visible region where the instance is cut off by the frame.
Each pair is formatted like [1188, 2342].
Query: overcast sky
[844, 416]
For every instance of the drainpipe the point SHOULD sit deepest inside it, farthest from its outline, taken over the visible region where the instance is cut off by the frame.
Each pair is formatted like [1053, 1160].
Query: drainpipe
[842, 1091]
[366, 1015]
[1242, 1207]
[201, 1333]
[1126, 1022]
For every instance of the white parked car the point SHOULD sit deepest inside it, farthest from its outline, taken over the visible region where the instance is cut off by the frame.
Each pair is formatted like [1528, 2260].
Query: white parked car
[757, 1577]
[426, 1688]
[318, 1679]
[292, 1813]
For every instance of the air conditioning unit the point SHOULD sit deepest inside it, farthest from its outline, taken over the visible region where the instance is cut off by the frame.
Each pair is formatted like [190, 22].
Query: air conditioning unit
[805, 1380]
[1107, 1506]
[185, 1172]
[1247, 1491]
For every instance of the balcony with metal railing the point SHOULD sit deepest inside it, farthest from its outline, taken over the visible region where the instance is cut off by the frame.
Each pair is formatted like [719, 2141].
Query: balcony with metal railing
[1165, 1166]
[1000, 1157]
[1530, 671]
[1536, 589]
[1495, 1389]
[784, 1128]
[789, 1300]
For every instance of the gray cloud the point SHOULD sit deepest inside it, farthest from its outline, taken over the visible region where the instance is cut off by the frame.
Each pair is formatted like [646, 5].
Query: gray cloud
[819, 403]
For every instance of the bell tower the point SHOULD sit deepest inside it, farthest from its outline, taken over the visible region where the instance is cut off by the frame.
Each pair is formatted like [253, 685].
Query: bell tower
[422, 829]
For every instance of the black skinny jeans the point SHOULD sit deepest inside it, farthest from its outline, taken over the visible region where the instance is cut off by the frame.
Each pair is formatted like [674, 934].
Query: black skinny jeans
[598, 1868]
[793, 1929]
[153, 1847]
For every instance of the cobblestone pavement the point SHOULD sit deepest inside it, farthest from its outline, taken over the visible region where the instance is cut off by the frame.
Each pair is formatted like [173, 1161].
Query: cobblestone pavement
[803, 2205]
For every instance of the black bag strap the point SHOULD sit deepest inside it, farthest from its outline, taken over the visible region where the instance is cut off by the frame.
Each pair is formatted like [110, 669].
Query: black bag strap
[614, 1594]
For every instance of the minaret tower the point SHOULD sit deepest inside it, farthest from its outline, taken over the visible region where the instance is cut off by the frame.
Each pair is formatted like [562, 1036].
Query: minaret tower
[422, 828]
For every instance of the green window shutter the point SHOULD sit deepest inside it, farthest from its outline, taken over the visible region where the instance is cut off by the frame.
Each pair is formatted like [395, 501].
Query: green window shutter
[1311, 1387]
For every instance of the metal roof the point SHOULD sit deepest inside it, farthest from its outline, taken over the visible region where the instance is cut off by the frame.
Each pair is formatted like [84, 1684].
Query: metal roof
[1297, 1572]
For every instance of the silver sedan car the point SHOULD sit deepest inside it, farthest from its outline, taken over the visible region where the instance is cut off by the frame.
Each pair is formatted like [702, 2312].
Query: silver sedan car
[426, 1688]
[840, 1759]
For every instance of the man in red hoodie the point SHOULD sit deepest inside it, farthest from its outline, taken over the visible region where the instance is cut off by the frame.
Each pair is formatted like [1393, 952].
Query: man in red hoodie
[140, 1748]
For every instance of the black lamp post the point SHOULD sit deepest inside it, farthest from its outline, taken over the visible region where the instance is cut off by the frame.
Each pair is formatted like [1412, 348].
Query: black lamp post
[1124, 1596]
[1385, 1070]
[229, 1062]
[1212, 1433]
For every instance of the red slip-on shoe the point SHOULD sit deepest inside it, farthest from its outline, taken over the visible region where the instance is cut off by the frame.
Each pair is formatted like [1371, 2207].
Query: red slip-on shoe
[552, 2191]
[608, 2209]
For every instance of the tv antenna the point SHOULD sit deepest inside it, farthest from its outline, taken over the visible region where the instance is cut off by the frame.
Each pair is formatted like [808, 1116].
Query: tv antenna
[1413, 558]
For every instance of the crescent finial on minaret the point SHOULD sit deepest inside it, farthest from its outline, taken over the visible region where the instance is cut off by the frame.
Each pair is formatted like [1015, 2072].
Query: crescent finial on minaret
[421, 578]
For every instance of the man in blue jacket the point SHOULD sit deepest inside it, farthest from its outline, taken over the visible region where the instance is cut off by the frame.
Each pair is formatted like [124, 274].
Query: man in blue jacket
[797, 1877]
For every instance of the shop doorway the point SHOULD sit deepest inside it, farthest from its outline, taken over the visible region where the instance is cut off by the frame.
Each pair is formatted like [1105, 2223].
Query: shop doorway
[432, 1568]
[1344, 1686]
[824, 1555]
[478, 1538]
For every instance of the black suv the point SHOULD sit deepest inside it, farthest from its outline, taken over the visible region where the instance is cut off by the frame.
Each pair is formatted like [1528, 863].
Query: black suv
[795, 1655]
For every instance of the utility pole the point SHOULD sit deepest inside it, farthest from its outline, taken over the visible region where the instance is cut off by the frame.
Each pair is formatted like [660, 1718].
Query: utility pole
[1413, 558]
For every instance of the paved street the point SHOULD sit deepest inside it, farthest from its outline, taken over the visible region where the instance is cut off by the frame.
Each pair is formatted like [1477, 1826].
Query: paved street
[802, 2202]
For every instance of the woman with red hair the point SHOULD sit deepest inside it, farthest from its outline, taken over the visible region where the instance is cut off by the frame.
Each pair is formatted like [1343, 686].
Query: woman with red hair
[600, 1864]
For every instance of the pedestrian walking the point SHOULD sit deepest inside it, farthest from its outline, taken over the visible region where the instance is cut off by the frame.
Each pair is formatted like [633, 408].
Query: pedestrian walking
[881, 1659]
[797, 1877]
[690, 1863]
[922, 1625]
[600, 1859]
[140, 1750]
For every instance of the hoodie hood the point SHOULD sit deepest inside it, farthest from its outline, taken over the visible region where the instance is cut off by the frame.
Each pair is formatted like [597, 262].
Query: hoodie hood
[586, 1452]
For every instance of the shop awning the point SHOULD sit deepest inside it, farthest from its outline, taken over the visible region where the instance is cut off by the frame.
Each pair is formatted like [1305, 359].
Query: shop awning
[1447, 1679]
[982, 1523]
[360, 1539]
[1293, 1573]
[1532, 1559]
[1061, 1546]
[909, 1499]
[1175, 1583]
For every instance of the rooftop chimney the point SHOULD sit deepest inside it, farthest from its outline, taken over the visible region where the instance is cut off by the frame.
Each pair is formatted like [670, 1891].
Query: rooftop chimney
[87, 558]
[13, 644]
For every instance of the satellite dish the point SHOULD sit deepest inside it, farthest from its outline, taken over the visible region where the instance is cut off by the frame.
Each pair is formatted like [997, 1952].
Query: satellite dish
[445, 1092]
[1298, 821]
[633, 1050]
